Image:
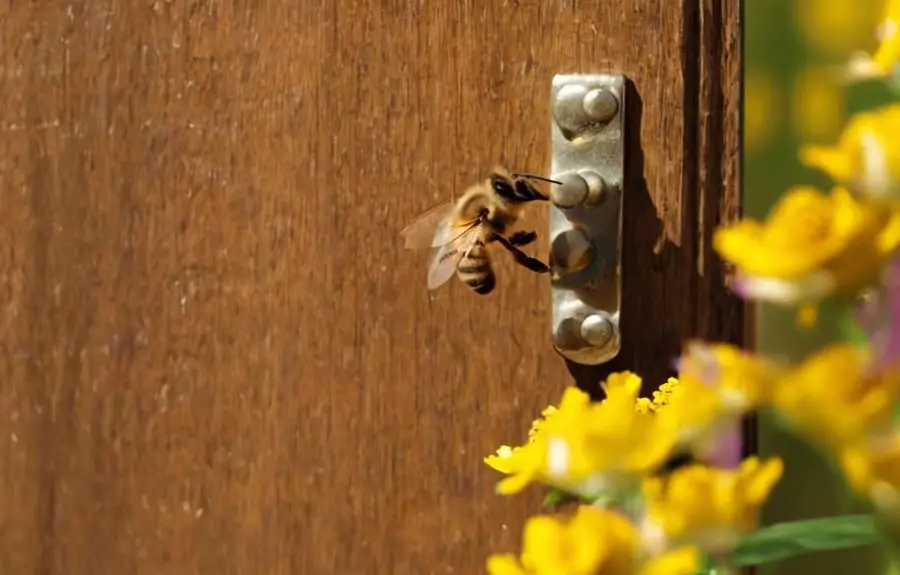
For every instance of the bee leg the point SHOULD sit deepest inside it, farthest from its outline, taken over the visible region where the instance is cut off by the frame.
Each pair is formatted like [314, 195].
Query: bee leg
[522, 238]
[521, 257]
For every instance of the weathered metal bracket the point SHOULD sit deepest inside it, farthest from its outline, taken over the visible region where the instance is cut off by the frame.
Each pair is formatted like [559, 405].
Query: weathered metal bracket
[587, 134]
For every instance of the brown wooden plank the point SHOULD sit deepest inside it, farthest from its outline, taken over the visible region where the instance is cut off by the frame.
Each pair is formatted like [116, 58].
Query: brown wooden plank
[217, 358]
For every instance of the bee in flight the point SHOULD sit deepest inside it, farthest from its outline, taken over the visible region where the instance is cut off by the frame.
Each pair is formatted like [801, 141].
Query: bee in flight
[461, 232]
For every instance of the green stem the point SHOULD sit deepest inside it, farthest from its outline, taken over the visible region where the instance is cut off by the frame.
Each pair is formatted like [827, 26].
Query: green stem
[889, 528]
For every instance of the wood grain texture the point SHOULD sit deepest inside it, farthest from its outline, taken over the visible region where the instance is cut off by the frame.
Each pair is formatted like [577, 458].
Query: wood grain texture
[215, 355]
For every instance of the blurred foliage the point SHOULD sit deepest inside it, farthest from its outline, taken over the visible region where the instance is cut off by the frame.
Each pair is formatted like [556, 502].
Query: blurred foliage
[791, 98]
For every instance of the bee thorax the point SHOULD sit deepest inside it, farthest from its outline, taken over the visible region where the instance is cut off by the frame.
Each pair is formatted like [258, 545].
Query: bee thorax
[500, 221]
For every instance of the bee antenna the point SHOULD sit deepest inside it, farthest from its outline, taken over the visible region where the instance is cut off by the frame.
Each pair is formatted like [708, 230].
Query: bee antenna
[533, 177]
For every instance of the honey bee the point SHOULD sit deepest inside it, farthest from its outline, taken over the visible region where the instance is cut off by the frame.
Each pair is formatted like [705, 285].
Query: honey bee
[462, 232]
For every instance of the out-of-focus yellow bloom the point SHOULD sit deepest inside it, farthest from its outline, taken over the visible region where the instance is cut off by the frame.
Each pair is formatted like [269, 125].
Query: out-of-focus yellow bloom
[552, 546]
[718, 384]
[866, 157]
[836, 27]
[741, 380]
[872, 469]
[813, 245]
[588, 448]
[592, 542]
[886, 59]
[505, 564]
[831, 399]
[817, 108]
[684, 560]
[710, 508]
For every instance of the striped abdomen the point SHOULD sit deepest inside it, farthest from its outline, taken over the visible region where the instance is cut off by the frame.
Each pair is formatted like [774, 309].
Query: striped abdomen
[475, 269]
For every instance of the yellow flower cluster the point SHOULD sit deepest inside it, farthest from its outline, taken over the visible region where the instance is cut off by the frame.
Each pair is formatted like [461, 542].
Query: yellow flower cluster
[849, 411]
[611, 453]
[837, 246]
[562, 449]
[637, 518]
[816, 244]
[591, 541]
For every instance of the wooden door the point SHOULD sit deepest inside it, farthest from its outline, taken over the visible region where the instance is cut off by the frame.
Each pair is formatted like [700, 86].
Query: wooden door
[217, 357]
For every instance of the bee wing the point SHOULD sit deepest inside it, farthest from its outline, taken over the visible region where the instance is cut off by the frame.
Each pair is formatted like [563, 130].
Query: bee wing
[425, 230]
[447, 257]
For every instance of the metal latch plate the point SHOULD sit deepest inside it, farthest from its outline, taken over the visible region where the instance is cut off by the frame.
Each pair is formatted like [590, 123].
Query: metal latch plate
[587, 128]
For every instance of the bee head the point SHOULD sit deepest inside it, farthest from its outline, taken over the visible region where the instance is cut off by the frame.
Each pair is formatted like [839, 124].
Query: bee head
[519, 190]
[504, 188]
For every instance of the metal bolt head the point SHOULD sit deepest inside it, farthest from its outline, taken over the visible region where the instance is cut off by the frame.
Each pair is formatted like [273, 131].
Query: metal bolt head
[597, 330]
[567, 335]
[597, 186]
[578, 110]
[582, 188]
[600, 105]
[573, 191]
[571, 251]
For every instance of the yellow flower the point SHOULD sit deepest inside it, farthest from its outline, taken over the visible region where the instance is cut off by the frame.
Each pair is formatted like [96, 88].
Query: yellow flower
[817, 104]
[505, 564]
[884, 62]
[659, 399]
[505, 460]
[591, 542]
[520, 462]
[811, 246]
[707, 507]
[528, 463]
[866, 158]
[682, 561]
[872, 469]
[588, 448]
[831, 399]
[718, 384]
[536, 424]
[524, 465]
[608, 445]
[740, 380]
[835, 27]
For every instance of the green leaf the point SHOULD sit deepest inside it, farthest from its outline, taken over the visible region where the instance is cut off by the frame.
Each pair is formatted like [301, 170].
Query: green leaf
[556, 497]
[786, 540]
